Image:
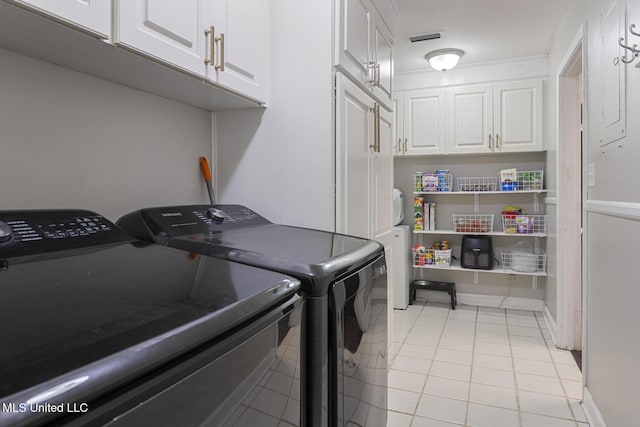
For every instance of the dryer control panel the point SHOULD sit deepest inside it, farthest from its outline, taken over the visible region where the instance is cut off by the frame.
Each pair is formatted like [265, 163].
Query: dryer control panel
[179, 221]
[30, 232]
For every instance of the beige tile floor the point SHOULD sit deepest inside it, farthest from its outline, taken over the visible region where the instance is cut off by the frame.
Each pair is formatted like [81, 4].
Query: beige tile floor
[480, 367]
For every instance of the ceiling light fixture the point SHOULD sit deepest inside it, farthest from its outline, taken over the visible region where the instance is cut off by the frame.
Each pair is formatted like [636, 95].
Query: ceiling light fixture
[444, 59]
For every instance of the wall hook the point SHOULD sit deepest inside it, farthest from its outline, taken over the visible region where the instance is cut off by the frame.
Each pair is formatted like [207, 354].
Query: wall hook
[634, 51]
[631, 27]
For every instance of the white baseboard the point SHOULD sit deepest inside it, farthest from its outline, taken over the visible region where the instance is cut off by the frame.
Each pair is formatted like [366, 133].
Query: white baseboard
[551, 324]
[493, 301]
[591, 411]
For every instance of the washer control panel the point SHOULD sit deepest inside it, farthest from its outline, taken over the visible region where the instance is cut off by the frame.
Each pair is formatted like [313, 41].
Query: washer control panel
[37, 231]
[176, 221]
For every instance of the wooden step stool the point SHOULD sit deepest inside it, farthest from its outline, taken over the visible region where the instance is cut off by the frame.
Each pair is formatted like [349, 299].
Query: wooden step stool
[448, 287]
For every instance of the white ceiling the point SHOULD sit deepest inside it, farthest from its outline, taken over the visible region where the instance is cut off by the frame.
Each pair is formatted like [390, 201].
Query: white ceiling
[487, 30]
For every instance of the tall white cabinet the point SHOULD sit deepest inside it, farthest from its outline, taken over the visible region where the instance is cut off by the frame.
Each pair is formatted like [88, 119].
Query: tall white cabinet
[364, 165]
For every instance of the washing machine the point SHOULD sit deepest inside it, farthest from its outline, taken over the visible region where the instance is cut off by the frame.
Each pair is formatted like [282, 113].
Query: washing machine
[344, 280]
[100, 329]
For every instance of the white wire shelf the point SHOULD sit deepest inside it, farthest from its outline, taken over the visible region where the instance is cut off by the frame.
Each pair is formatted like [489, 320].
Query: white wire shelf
[442, 193]
[493, 233]
[455, 266]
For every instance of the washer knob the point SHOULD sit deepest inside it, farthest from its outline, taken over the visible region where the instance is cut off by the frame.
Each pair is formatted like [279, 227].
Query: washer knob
[5, 232]
[216, 215]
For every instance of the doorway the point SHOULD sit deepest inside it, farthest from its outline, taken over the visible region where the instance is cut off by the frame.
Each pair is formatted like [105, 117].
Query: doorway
[570, 172]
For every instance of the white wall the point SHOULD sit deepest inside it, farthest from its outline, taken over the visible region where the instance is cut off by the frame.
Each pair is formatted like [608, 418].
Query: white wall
[280, 161]
[68, 140]
[611, 343]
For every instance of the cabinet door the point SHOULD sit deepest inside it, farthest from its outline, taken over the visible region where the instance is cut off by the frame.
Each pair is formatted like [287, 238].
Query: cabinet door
[517, 115]
[470, 119]
[614, 90]
[354, 152]
[424, 122]
[93, 16]
[171, 32]
[382, 177]
[352, 46]
[397, 130]
[382, 57]
[241, 32]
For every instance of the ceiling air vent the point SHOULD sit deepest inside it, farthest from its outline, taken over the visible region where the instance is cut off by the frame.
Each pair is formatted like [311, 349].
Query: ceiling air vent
[434, 35]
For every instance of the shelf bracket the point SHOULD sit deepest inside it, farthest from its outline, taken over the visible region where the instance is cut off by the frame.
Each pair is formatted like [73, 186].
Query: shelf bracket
[534, 282]
[476, 203]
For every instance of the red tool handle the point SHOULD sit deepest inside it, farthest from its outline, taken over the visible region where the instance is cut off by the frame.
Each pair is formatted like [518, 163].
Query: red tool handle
[204, 167]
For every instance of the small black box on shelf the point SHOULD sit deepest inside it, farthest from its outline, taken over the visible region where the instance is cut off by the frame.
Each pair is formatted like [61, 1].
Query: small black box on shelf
[476, 252]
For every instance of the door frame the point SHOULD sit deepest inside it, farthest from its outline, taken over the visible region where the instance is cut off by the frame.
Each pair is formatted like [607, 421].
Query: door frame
[570, 172]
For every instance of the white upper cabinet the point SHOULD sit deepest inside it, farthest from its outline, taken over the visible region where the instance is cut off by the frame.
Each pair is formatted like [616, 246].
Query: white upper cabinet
[354, 32]
[493, 118]
[470, 119]
[364, 48]
[504, 117]
[93, 16]
[241, 38]
[423, 123]
[382, 61]
[169, 31]
[517, 116]
[221, 40]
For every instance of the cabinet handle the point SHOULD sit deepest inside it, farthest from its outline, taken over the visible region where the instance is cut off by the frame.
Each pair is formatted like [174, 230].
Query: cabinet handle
[405, 145]
[371, 72]
[374, 145]
[497, 141]
[378, 121]
[490, 142]
[221, 40]
[210, 35]
[399, 146]
[377, 76]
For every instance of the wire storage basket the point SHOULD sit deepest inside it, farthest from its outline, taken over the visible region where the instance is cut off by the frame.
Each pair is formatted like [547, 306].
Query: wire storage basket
[522, 181]
[523, 224]
[525, 261]
[431, 257]
[530, 180]
[472, 223]
[433, 181]
[481, 183]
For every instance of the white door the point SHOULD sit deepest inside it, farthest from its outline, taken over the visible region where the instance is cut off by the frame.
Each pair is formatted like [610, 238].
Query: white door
[354, 152]
[93, 16]
[424, 122]
[470, 119]
[517, 115]
[352, 45]
[383, 62]
[398, 131]
[168, 31]
[241, 45]
[382, 177]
